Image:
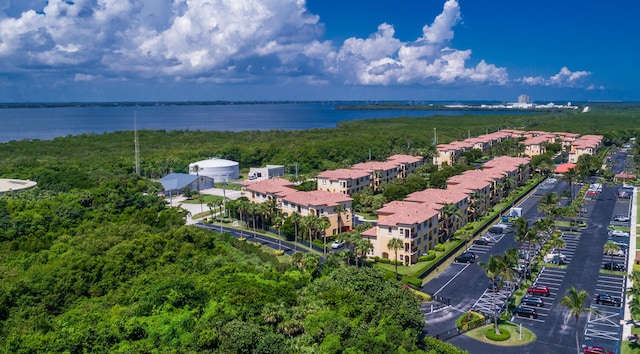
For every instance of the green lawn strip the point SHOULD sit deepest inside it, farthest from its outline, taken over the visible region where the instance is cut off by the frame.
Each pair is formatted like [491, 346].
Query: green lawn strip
[527, 335]
[553, 265]
[604, 271]
[629, 348]
[368, 216]
[402, 270]
[206, 199]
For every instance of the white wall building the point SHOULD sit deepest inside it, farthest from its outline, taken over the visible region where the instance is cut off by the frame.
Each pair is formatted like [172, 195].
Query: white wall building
[220, 170]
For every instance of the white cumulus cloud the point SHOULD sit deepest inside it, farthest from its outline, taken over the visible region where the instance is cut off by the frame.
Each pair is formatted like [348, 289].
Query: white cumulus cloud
[232, 41]
[564, 78]
[382, 59]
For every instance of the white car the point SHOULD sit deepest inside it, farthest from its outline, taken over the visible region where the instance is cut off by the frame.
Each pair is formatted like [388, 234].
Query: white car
[618, 233]
[550, 257]
[619, 253]
[337, 244]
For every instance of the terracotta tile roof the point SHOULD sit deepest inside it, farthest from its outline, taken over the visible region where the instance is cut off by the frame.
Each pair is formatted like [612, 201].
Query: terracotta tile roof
[506, 163]
[343, 173]
[405, 158]
[316, 198]
[275, 186]
[564, 168]
[437, 196]
[468, 184]
[405, 213]
[536, 140]
[375, 166]
[372, 232]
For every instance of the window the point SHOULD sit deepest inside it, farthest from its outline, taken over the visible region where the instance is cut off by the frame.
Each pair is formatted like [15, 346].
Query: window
[402, 257]
[389, 229]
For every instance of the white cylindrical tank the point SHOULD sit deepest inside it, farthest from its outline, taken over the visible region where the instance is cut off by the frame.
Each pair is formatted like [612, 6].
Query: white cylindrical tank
[220, 170]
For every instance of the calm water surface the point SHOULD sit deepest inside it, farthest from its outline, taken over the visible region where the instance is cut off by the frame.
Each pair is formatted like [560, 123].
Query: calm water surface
[51, 122]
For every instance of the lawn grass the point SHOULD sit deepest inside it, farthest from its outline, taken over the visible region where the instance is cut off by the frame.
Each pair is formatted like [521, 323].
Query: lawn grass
[402, 270]
[528, 336]
[206, 199]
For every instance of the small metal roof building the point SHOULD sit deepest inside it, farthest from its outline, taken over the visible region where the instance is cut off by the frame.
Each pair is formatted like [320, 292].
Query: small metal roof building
[178, 183]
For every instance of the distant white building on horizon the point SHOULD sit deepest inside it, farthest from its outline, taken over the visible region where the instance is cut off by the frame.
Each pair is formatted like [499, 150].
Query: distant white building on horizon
[524, 99]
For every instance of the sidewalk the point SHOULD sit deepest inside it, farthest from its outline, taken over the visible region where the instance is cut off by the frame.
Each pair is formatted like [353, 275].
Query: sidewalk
[627, 322]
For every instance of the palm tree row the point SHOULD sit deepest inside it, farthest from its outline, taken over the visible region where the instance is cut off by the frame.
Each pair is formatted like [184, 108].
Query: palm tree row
[500, 268]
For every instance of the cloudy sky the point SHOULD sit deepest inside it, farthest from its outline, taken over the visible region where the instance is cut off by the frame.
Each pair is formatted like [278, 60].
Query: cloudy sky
[189, 50]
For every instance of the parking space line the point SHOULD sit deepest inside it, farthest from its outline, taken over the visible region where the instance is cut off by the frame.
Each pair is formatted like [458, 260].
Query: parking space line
[452, 278]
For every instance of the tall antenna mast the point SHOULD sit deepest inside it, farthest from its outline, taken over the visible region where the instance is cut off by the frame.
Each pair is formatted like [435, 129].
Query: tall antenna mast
[135, 141]
[435, 137]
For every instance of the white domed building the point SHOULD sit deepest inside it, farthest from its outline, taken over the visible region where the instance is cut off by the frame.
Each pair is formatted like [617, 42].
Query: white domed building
[220, 170]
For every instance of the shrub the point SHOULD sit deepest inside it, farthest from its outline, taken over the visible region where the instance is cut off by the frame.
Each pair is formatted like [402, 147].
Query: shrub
[462, 323]
[257, 244]
[242, 239]
[385, 260]
[413, 281]
[278, 252]
[519, 292]
[429, 257]
[437, 346]
[439, 247]
[504, 334]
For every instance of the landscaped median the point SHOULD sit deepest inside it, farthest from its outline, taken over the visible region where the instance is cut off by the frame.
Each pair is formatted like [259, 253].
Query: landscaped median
[486, 334]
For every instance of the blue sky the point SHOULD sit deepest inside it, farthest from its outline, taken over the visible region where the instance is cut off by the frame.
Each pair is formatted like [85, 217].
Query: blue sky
[190, 50]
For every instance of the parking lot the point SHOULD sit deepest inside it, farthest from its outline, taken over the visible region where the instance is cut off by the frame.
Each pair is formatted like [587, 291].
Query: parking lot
[603, 325]
[551, 278]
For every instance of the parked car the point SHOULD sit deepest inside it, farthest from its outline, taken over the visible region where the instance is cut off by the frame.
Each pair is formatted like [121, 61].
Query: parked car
[481, 241]
[525, 312]
[337, 244]
[618, 233]
[532, 300]
[554, 256]
[620, 253]
[538, 290]
[613, 266]
[621, 218]
[606, 299]
[595, 350]
[466, 257]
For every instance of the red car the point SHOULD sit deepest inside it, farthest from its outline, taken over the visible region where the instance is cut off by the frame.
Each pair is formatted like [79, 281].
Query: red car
[538, 290]
[596, 350]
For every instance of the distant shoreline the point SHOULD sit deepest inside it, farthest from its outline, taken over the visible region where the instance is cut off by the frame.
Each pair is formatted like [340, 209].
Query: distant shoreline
[339, 105]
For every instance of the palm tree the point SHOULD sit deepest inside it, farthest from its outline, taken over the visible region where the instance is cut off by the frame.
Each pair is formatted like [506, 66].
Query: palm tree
[574, 301]
[493, 268]
[322, 225]
[277, 223]
[451, 212]
[339, 209]
[295, 219]
[210, 205]
[548, 203]
[570, 177]
[395, 244]
[363, 246]
[243, 207]
[611, 248]
[310, 223]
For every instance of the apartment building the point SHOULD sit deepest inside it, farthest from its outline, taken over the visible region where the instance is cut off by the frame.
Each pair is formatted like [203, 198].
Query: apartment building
[379, 172]
[414, 223]
[344, 181]
[407, 164]
[335, 206]
[586, 145]
[321, 204]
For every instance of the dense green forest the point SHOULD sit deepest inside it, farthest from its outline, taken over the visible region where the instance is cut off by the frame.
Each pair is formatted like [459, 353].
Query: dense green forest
[93, 261]
[110, 269]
